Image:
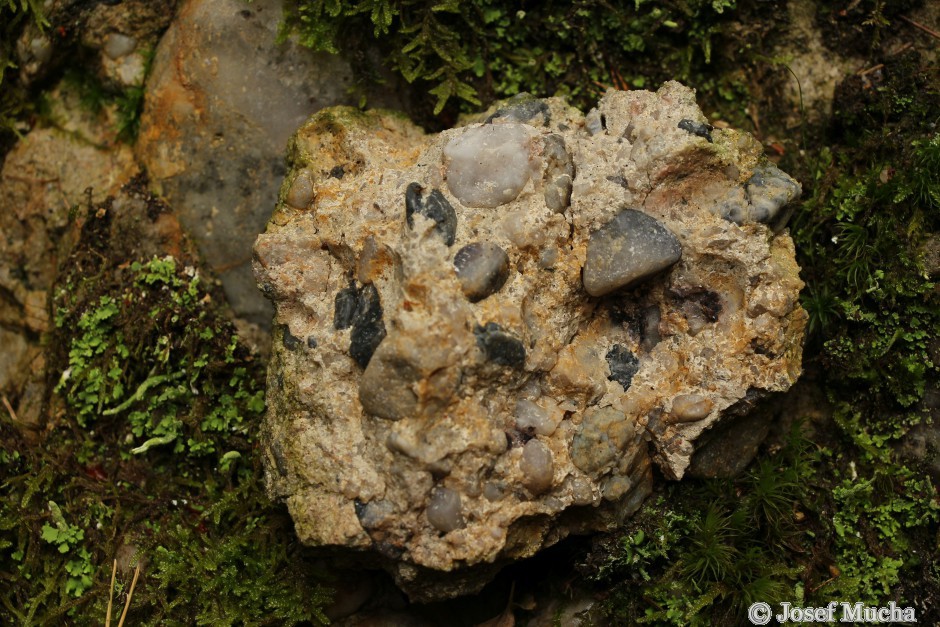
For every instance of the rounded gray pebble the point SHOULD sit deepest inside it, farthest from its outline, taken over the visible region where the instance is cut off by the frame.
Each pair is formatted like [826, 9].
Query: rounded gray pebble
[444, 510]
[537, 466]
[482, 268]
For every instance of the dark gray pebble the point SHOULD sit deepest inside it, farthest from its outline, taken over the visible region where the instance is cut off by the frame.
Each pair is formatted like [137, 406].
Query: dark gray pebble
[482, 268]
[368, 328]
[629, 249]
[699, 129]
[434, 206]
[500, 347]
[623, 365]
[522, 108]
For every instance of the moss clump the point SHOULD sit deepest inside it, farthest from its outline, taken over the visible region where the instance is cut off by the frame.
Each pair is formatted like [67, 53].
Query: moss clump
[148, 456]
[487, 49]
[702, 552]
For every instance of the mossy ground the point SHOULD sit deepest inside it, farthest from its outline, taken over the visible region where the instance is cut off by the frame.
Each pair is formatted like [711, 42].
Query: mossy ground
[832, 511]
[148, 455]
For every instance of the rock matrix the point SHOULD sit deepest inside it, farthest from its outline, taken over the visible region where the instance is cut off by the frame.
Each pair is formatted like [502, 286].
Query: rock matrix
[486, 337]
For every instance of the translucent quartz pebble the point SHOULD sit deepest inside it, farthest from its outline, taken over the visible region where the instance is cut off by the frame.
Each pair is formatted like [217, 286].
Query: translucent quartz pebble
[769, 190]
[444, 510]
[533, 418]
[482, 268]
[631, 247]
[537, 467]
[487, 166]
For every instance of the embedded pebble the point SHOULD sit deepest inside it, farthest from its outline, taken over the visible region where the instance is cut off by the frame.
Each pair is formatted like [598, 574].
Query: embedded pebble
[594, 122]
[623, 365]
[385, 389]
[602, 435]
[500, 347]
[482, 268]
[117, 45]
[625, 251]
[533, 418]
[650, 327]
[291, 342]
[615, 487]
[368, 328]
[300, 194]
[487, 166]
[523, 108]
[699, 129]
[536, 466]
[433, 206]
[769, 190]
[559, 173]
[345, 305]
[690, 407]
[444, 510]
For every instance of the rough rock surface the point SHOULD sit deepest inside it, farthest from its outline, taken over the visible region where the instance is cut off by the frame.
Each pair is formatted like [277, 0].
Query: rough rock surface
[222, 100]
[447, 430]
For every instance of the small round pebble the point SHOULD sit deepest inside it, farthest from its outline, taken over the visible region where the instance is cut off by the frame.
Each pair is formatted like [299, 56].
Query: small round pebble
[482, 268]
[690, 407]
[537, 466]
[444, 510]
[487, 166]
[117, 45]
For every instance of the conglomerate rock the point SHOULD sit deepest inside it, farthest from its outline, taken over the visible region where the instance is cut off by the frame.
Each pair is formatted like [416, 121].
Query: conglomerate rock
[484, 338]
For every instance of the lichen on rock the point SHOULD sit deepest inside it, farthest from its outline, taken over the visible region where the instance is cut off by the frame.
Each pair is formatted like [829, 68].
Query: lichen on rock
[548, 303]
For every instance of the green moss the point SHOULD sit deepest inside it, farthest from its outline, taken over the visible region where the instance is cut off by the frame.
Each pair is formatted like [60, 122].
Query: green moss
[149, 455]
[487, 49]
[702, 552]
[14, 101]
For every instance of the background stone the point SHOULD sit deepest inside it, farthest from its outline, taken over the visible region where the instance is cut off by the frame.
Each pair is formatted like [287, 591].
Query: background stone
[222, 100]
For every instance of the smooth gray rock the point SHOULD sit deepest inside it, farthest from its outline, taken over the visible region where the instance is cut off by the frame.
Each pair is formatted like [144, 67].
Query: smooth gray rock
[222, 100]
[536, 466]
[625, 251]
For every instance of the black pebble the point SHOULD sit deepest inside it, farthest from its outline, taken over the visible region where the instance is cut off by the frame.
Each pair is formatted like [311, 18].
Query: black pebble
[361, 309]
[368, 329]
[500, 347]
[697, 128]
[345, 306]
[623, 365]
[433, 206]
[290, 340]
[338, 172]
[311, 341]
